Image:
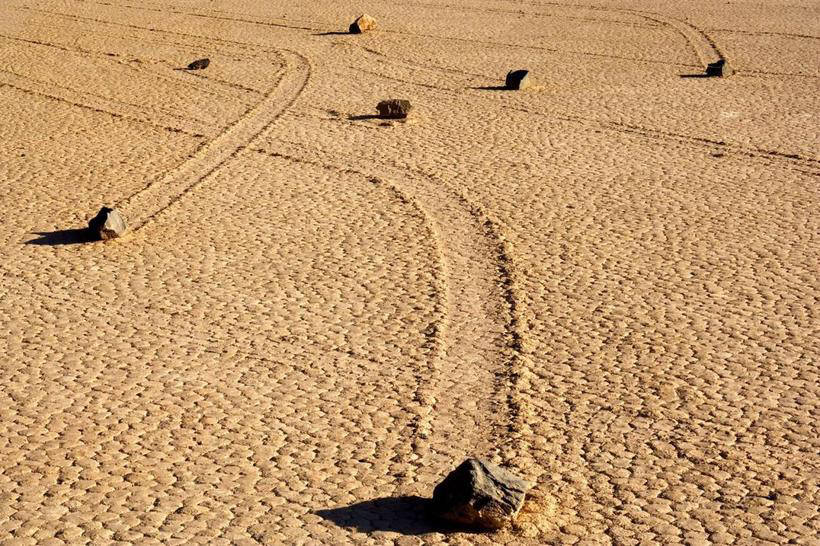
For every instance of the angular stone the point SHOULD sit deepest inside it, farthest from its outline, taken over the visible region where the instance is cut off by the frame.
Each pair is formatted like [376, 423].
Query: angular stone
[480, 494]
[362, 24]
[519, 79]
[107, 224]
[719, 69]
[394, 108]
[199, 64]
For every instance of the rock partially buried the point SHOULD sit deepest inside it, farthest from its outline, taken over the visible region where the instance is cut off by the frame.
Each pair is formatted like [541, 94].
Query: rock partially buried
[362, 24]
[719, 69]
[394, 108]
[108, 224]
[480, 494]
[199, 64]
[519, 80]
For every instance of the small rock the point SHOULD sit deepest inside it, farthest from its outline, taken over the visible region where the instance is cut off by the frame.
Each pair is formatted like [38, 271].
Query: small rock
[362, 24]
[394, 108]
[480, 494]
[108, 224]
[719, 69]
[199, 64]
[519, 79]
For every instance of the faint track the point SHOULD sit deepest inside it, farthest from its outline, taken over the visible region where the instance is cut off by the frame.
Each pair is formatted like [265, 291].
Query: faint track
[400, 32]
[765, 74]
[793, 159]
[225, 17]
[75, 99]
[766, 33]
[206, 39]
[128, 64]
[534, 48]
[158, 195]
[136, 112]
[529, 14]
[705, 49]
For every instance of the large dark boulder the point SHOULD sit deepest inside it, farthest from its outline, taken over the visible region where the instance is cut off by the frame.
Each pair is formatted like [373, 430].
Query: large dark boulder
[518, 80]
[199, 64]
[719, 69]
[480, 494]
[394, 108]
[107, 224]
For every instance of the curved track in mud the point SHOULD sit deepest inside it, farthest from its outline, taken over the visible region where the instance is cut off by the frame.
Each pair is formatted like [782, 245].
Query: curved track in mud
[158, 195]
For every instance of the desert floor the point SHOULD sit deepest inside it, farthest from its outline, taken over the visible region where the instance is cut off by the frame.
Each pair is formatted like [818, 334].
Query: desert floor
[608, 283]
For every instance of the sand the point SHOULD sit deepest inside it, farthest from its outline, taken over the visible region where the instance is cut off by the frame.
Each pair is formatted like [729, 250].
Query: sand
[608, 283]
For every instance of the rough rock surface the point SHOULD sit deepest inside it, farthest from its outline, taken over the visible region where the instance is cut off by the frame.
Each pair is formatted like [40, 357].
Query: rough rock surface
[362, 24]
[480, 494]
[394, 108]
[108, 224]
[518, 79]
[199, 64]
[719, 69]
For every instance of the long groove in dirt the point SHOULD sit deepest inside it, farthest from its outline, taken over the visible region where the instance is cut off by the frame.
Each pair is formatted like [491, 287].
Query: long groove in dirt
[158, 195]
[481, 304]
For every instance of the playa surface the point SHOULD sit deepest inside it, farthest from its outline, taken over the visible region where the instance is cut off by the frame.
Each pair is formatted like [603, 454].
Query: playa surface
[608, 283]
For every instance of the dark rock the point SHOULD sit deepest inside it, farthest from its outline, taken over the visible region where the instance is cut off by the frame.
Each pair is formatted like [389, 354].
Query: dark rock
[394, 108]
[199, 64]
[480, 494]
[719, 69]
[362, 24]
[107, 224]
[518, 79]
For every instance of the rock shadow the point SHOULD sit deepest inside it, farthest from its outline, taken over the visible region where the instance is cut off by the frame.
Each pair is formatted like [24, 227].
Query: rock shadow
[697, 76]
[64, 237]
[492, 88]
[364, 117]
[407, 515]
[333, 33]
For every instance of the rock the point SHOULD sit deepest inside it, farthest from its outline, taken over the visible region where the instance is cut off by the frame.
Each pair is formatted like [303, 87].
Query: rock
[199, 64]
[480, 494]
[362, 24]
[719, 69]
[108, 224]
[394, 108]
[519, 79]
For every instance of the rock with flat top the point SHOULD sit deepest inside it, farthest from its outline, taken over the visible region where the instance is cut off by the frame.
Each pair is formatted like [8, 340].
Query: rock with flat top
[362, 24]
[519, 80]
[480, 494]
[719, 69]
[394, 108]
[107, 224]
[199, 64]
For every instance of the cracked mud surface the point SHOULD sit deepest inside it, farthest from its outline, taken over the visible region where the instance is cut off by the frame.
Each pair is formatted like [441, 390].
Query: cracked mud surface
[608, 284]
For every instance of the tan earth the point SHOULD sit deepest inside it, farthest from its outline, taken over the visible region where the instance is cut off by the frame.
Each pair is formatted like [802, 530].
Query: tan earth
[608, 283]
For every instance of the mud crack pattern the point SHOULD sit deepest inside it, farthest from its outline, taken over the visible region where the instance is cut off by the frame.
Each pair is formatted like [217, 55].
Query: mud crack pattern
[608, 284]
